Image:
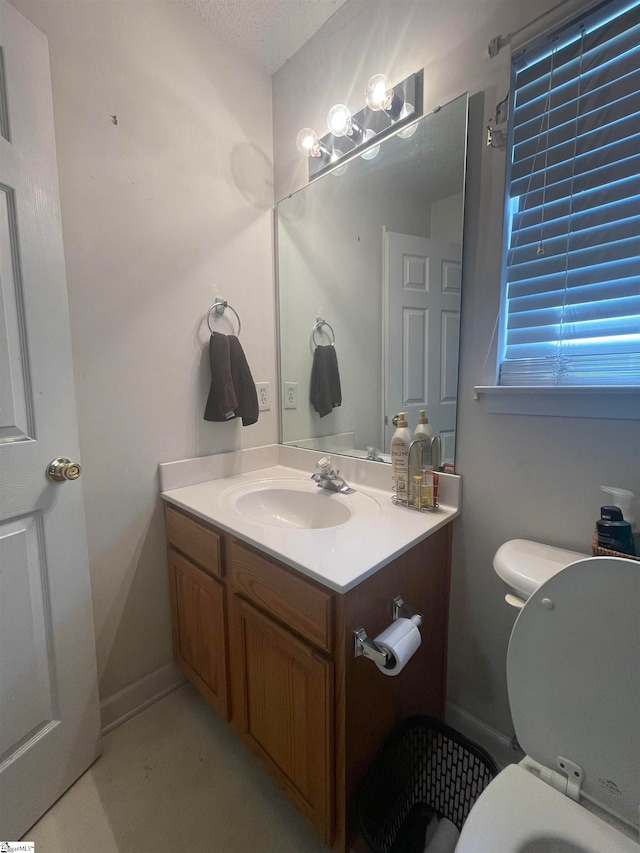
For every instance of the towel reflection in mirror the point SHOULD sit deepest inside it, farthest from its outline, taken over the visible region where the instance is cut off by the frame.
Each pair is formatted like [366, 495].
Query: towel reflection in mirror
[325, 392]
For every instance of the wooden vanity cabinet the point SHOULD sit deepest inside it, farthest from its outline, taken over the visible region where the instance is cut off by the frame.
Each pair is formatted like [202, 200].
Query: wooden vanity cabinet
[281, 636]
[283, 709]
[313, 714]
[198, 606]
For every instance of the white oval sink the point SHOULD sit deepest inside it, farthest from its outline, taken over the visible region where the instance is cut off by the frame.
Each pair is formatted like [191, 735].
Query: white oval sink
[288, 508]
[296, 504]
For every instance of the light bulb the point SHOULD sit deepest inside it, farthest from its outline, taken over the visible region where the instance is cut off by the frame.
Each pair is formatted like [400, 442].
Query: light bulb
[379, 93]
[339, 120]
[406, 132]
[337, 155]
[308, 143]
[372, 152]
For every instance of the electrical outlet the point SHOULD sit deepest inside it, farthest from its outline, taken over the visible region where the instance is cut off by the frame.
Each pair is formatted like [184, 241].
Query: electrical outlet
[264, 397]
[290, 395]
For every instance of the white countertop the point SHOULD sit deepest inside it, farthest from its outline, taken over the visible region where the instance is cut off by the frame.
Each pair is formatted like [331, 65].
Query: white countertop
[338, 557]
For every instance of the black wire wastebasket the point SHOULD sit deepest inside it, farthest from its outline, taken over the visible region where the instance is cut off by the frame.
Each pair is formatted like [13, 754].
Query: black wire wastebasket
[425, 768]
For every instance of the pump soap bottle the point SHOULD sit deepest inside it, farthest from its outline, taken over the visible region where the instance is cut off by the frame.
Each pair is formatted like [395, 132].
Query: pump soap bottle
[621, 498]
[431, 442]
[400, 442]
[424, 428]
[614, 533]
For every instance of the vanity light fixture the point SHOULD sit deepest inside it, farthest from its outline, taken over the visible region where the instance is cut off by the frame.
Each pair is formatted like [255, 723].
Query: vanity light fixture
[337, 155]
[370, 153]
[308, 143]
[340, 122]
[388, 107]
[380, 95]
[408, 131]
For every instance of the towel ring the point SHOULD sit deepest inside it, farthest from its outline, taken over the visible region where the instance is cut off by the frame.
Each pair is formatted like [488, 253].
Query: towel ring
[318, 326]
[218, 308]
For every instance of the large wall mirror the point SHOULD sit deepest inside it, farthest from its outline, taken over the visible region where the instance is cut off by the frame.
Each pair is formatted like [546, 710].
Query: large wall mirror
[375, 251]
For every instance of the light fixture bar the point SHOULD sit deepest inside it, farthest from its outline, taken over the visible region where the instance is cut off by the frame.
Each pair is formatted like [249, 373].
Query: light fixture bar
[373, 126]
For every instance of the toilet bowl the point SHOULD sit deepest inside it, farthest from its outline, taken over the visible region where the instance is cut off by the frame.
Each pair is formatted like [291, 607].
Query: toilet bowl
[573, 675]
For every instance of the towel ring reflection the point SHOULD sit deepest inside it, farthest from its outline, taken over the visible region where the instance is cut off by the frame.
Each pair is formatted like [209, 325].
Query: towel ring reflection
[318, 327]
[218, 308]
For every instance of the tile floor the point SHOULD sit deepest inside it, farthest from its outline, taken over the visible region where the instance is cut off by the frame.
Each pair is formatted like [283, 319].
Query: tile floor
[175, 777]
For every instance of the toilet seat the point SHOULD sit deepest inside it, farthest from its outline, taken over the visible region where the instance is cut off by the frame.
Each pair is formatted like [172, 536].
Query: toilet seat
[518, 813]
[573, 676]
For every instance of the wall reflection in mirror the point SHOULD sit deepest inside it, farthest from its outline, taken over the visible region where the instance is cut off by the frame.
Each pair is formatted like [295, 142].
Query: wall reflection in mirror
[375, 253]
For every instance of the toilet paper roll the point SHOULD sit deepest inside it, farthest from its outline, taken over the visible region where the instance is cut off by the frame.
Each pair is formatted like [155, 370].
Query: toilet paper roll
[401, 640]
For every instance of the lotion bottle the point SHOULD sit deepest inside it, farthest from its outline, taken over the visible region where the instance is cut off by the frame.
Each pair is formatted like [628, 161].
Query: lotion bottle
[430, 454]
[424, 427]
[400, 442]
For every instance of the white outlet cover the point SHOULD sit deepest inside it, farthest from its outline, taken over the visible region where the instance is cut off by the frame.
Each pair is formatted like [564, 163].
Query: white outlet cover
[290, 395]
[264, 396]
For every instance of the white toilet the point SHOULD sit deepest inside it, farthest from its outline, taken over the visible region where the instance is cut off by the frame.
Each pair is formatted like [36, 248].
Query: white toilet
[573, 673]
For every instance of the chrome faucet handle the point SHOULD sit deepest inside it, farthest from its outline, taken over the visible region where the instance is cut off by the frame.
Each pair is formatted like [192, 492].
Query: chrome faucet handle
[328, 478]
[325, 465]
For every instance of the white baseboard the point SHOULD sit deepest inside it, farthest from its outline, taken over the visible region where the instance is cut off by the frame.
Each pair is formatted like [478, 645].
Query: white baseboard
[126, 703]
[494, 742]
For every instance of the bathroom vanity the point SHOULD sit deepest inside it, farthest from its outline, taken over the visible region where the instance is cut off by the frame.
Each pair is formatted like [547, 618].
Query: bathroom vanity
[269, 641]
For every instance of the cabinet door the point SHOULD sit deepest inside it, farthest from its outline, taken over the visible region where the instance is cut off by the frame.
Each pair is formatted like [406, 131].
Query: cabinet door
[284, 710]
[198, 616]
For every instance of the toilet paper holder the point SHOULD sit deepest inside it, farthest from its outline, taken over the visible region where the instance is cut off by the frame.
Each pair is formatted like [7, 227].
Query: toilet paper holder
[364, 646]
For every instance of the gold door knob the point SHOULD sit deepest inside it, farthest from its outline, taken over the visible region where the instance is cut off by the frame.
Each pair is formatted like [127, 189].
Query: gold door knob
[62, 469]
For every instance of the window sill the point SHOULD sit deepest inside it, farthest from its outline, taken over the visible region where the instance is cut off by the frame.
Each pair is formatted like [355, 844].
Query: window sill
[620, 402]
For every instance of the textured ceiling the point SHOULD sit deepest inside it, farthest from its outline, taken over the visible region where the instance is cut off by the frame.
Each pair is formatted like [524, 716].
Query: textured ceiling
[268, 31]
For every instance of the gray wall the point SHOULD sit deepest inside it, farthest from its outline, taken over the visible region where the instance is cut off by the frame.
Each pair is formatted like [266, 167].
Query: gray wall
[161, 213]
[523, 476]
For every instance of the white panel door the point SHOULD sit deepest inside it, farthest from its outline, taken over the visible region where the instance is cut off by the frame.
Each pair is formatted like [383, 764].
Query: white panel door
[421, 313]
[49, 712]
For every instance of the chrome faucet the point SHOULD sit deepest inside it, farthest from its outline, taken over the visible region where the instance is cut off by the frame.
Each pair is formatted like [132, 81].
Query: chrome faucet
[327, 478]
[374, 454]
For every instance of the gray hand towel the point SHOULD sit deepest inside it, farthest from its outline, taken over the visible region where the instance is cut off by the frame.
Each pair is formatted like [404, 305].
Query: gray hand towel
[326, 393]
[222, 401]
[243, 384]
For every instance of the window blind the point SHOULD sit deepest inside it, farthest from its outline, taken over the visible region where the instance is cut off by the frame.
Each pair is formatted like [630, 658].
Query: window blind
[571, 278]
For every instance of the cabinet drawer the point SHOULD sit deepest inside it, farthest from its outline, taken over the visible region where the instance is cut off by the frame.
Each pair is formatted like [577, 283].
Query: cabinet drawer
[195, 539]
[298, 603]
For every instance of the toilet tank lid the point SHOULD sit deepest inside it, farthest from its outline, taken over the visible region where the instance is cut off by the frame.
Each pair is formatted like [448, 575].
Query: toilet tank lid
[525, 565]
